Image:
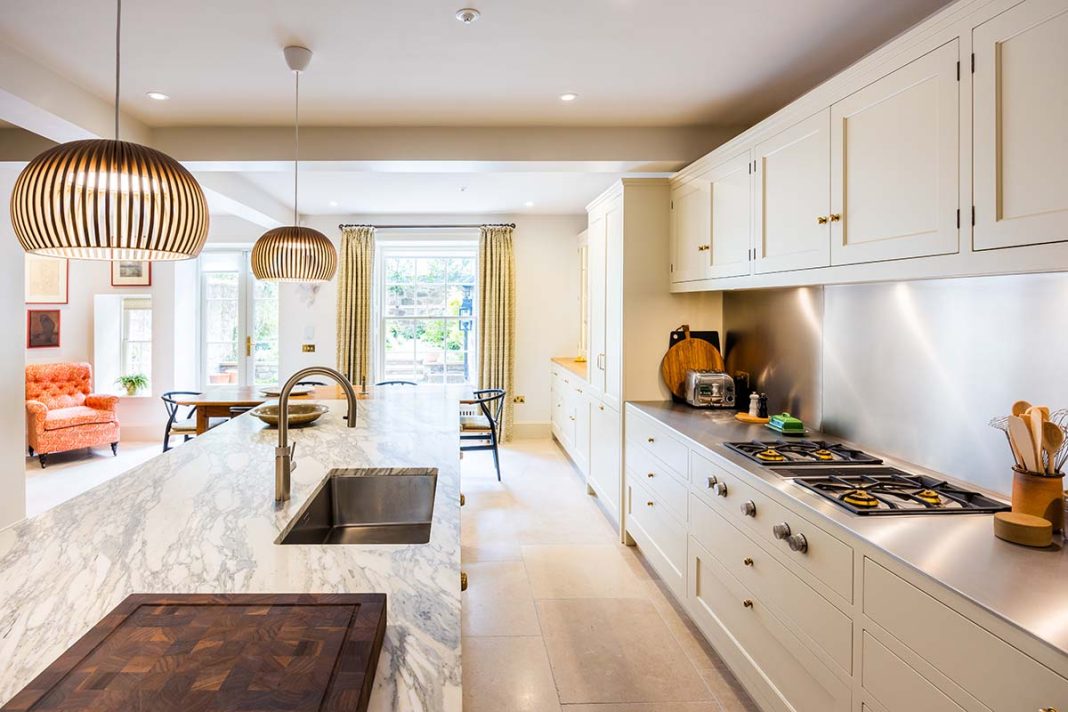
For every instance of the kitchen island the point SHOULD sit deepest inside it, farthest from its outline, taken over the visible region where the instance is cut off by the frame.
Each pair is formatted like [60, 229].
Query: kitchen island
[202, 519]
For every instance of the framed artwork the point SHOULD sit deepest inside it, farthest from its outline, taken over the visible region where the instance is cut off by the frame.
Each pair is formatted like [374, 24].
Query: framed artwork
[42, 328]
[131, 273]
[47, 280]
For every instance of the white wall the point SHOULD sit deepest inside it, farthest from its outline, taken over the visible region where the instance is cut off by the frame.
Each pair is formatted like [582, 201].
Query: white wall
[12, 360]
[547, 302]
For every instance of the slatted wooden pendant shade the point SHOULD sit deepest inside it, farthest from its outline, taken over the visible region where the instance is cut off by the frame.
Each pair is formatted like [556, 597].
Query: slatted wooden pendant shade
[101, 199]
[294, 254]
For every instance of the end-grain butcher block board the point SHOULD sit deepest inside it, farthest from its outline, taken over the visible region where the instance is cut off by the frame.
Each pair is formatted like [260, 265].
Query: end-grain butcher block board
[249, 652]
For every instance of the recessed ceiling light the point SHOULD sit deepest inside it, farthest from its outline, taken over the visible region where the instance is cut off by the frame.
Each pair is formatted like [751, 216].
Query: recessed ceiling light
[468, 15]
[157, 95]
[333, 203]
[568, 96]
[529, 203]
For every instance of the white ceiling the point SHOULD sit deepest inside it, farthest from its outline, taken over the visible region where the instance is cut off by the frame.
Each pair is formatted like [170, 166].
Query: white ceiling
[475, 193]
[409, 62]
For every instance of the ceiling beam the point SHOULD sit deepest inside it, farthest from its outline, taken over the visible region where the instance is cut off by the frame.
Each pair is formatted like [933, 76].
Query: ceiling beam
[232, 194]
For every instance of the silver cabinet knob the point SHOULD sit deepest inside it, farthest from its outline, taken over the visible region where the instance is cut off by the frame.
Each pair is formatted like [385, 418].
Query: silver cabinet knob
[797, 543]
[749, 508]
[720, 488]
[781, 531]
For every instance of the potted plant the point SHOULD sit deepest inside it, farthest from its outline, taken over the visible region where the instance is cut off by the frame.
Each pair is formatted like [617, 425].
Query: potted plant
[133, 383]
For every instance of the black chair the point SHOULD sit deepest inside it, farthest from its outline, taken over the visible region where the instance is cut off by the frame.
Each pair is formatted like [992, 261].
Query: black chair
[396, 383]
[484, 431]
[185, 425]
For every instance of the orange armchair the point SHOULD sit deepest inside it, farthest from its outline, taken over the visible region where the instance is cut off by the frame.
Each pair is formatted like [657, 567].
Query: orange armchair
[61, 412]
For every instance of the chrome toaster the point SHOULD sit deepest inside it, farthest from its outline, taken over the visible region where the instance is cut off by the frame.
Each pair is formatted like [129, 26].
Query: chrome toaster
[709, 389]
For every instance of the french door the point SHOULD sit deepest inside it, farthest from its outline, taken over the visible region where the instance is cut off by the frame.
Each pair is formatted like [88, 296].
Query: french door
[239, 322]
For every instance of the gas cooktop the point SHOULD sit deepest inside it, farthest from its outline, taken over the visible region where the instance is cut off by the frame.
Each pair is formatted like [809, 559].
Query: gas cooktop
[888, 490]
[801, 452]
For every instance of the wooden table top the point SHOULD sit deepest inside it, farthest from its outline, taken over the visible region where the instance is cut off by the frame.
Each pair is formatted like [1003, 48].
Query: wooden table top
[175, 652]
[238, 396]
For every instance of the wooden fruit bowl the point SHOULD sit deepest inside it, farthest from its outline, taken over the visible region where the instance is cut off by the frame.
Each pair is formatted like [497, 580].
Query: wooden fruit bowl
[299, 413]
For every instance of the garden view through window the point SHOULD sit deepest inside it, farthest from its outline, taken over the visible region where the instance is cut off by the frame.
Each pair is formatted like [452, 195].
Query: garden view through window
[427, 308]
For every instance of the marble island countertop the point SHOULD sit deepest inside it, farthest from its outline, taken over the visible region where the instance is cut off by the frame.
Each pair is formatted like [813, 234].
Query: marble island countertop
[202, 519]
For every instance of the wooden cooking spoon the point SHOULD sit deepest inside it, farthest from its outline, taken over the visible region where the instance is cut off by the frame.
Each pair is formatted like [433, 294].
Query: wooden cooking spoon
[1020, 407]
[1052, 439]
[1021, 436]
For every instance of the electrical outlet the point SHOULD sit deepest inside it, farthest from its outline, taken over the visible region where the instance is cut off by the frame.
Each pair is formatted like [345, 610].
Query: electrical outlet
[519, 399]
[308, 348]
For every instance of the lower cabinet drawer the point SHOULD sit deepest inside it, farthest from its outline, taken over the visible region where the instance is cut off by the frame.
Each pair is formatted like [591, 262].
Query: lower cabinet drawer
[658, 478]
[658, 439]
[897, 686]
[785, 671]
[993, 671]
[661, 537]
[829, 629]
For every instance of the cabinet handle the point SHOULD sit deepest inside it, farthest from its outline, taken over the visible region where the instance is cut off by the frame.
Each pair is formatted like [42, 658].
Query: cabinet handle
[822, 220]
[650, 475]
[749, 508]
[835, 217]
[571, 416]
[747, 561]
[1047, 709]
[652, 440]
[601, 407]
[649, 504]
[463, 581]
[747, 603]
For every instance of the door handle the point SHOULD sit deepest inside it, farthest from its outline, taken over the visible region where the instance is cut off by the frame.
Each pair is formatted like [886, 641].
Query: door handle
[248, 345]
[835, 217]
[822, 220]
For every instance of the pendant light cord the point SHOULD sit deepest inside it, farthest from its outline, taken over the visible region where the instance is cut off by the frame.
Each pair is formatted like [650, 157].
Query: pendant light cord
[118, 36]
[296, 145]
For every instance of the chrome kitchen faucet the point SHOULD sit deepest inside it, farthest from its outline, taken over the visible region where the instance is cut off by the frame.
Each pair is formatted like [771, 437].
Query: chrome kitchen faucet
[283, 454]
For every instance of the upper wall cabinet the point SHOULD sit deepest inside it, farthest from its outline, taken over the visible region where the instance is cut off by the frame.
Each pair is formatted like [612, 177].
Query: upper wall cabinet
[1020, 94]
[732, 217]
[691, 216]
[894, 164]
[793, 197]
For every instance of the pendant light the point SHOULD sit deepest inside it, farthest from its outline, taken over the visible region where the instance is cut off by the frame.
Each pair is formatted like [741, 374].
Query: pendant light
[294, 253]
[106, 199]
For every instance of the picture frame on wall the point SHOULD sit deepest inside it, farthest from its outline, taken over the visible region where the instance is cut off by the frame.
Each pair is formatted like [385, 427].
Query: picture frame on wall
[131, 273]
[47, 280]
[42, 328]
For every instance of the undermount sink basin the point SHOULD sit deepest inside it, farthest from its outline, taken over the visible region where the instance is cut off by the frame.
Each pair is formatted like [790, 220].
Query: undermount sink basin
[367, 506]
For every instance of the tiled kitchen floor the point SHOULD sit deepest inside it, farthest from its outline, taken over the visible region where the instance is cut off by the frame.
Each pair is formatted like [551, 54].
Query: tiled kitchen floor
[71, 473]
[560, 617]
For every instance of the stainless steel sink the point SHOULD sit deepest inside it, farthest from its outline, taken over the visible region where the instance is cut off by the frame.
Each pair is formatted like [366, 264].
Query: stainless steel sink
[367, 506]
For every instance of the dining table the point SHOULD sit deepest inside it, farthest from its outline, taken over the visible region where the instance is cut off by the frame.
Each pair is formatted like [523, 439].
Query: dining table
[217, 401]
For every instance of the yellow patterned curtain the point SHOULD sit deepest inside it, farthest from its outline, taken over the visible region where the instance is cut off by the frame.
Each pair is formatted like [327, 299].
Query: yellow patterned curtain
[496, 316]
[354, 293]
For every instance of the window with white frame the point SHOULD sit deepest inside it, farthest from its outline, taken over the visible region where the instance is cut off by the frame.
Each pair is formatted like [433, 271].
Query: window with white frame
[136, 336]
[426, 306]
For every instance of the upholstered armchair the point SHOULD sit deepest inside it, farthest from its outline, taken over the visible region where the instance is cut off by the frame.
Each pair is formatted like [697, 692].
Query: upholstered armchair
[61, 412]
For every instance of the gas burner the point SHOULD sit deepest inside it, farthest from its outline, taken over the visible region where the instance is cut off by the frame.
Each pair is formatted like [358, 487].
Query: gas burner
[888, 490]
[801, 452]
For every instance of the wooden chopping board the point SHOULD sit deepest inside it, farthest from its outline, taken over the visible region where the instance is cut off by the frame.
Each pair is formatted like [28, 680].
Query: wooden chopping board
[697, 354]
[172, 652]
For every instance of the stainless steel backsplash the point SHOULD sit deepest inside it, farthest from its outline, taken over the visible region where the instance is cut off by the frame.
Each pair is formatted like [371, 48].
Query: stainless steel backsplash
[912, 369]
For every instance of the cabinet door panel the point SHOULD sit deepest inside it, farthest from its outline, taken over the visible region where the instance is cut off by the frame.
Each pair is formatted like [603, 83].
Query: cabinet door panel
[605, 460]
[691, 208]
[793, 197]
[596, 278]
[732, 217]
[1020, 143]
[613, 306]
[894, 164]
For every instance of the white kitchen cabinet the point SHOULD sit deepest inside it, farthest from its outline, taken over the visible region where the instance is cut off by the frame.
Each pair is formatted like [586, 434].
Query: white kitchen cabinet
[596, 276]
[1020, 101]
[731, 186]
[691, 230]
[581, 412]
[613, 304]
[605, 456]
[793, 197]
[895, 163]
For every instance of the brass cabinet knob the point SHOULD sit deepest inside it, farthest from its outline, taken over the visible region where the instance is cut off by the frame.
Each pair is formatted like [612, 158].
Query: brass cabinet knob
[649, 504]
[835, 217]
[1047, 709]
[749, 508]
[822, 220]
[463, 500]
[651, 475]
[650, 439]
[747, 561]
[463, 580]
[747, 603]
[601, 407]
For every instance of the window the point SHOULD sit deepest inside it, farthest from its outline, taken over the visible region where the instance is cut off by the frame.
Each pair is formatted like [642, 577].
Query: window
[136, 348]
[239, 332]
[427, 330]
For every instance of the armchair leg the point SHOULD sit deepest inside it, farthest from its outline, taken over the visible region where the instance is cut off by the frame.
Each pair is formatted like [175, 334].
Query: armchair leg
[43, 459]
[115, 449]
[31, 450]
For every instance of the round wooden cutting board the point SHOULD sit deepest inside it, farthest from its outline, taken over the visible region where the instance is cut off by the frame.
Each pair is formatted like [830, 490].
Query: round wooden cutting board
[697, 354]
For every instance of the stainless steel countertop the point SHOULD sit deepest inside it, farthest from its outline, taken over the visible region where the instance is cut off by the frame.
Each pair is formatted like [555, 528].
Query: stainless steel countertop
[1028, 588]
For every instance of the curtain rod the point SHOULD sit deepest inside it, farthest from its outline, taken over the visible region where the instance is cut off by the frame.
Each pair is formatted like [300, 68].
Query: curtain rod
[342, 226]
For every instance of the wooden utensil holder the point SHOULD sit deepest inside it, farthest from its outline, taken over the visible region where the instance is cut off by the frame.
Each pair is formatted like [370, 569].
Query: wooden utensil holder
[1039, 495]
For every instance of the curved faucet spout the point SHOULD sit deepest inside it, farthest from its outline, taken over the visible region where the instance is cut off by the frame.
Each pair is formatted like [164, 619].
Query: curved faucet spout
[283, 454]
